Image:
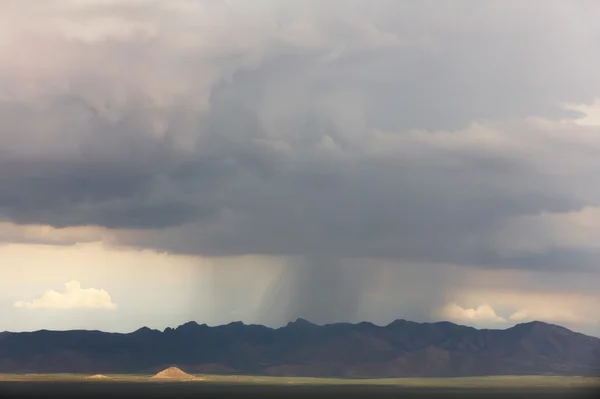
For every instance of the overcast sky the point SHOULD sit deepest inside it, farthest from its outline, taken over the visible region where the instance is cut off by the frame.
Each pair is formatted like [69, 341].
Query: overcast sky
[339, 160]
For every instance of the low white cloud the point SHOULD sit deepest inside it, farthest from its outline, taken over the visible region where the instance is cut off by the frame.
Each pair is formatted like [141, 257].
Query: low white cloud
[591, 113]
[482, 313]
[74, 297]
[526, 302]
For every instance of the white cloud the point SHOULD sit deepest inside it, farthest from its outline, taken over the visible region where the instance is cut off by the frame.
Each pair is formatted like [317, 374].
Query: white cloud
[527, 300]
[74, 297]
[591, 113]
[482, 313]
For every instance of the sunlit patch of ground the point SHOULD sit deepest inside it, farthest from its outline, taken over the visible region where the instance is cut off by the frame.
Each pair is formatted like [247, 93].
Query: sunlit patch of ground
[97, 377]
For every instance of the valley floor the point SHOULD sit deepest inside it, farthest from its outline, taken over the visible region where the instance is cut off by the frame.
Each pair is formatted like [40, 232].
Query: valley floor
[64, 389]
[463, 382]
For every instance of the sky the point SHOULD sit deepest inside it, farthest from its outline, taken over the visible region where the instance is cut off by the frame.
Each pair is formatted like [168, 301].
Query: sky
[163, 161]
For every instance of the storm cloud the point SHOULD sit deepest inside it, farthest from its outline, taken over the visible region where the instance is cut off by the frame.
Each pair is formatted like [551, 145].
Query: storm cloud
[319, 130]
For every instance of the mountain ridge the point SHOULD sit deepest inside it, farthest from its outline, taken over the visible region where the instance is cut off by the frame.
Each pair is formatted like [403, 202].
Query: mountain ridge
[306, 322]
[401, 348]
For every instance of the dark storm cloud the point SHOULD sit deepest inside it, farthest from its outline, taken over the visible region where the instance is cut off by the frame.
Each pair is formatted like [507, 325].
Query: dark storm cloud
[318, 129]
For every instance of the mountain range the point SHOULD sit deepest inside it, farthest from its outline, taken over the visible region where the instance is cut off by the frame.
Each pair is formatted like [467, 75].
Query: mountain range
[399, 349]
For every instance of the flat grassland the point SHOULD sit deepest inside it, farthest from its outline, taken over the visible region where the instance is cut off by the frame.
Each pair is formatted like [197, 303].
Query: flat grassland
[463, 382]
[66, 386]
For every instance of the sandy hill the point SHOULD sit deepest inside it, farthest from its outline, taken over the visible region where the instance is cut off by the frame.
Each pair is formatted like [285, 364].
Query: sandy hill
[174, 373]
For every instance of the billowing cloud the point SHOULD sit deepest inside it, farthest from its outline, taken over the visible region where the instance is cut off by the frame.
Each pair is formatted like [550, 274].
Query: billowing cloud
[559, 298]
[343, 131]
[483, 313]
[297, 134]
[74, 297]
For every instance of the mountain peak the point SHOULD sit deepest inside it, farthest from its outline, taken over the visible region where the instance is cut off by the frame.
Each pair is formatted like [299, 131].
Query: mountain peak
[188, 325]
[539, 330]
[236, 324]
[143, 330]
[300, 322]
[366, 324]
[535, 324]
[399, 322]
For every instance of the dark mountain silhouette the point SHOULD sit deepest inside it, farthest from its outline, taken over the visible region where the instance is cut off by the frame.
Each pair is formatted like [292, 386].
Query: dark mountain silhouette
[400, 349]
